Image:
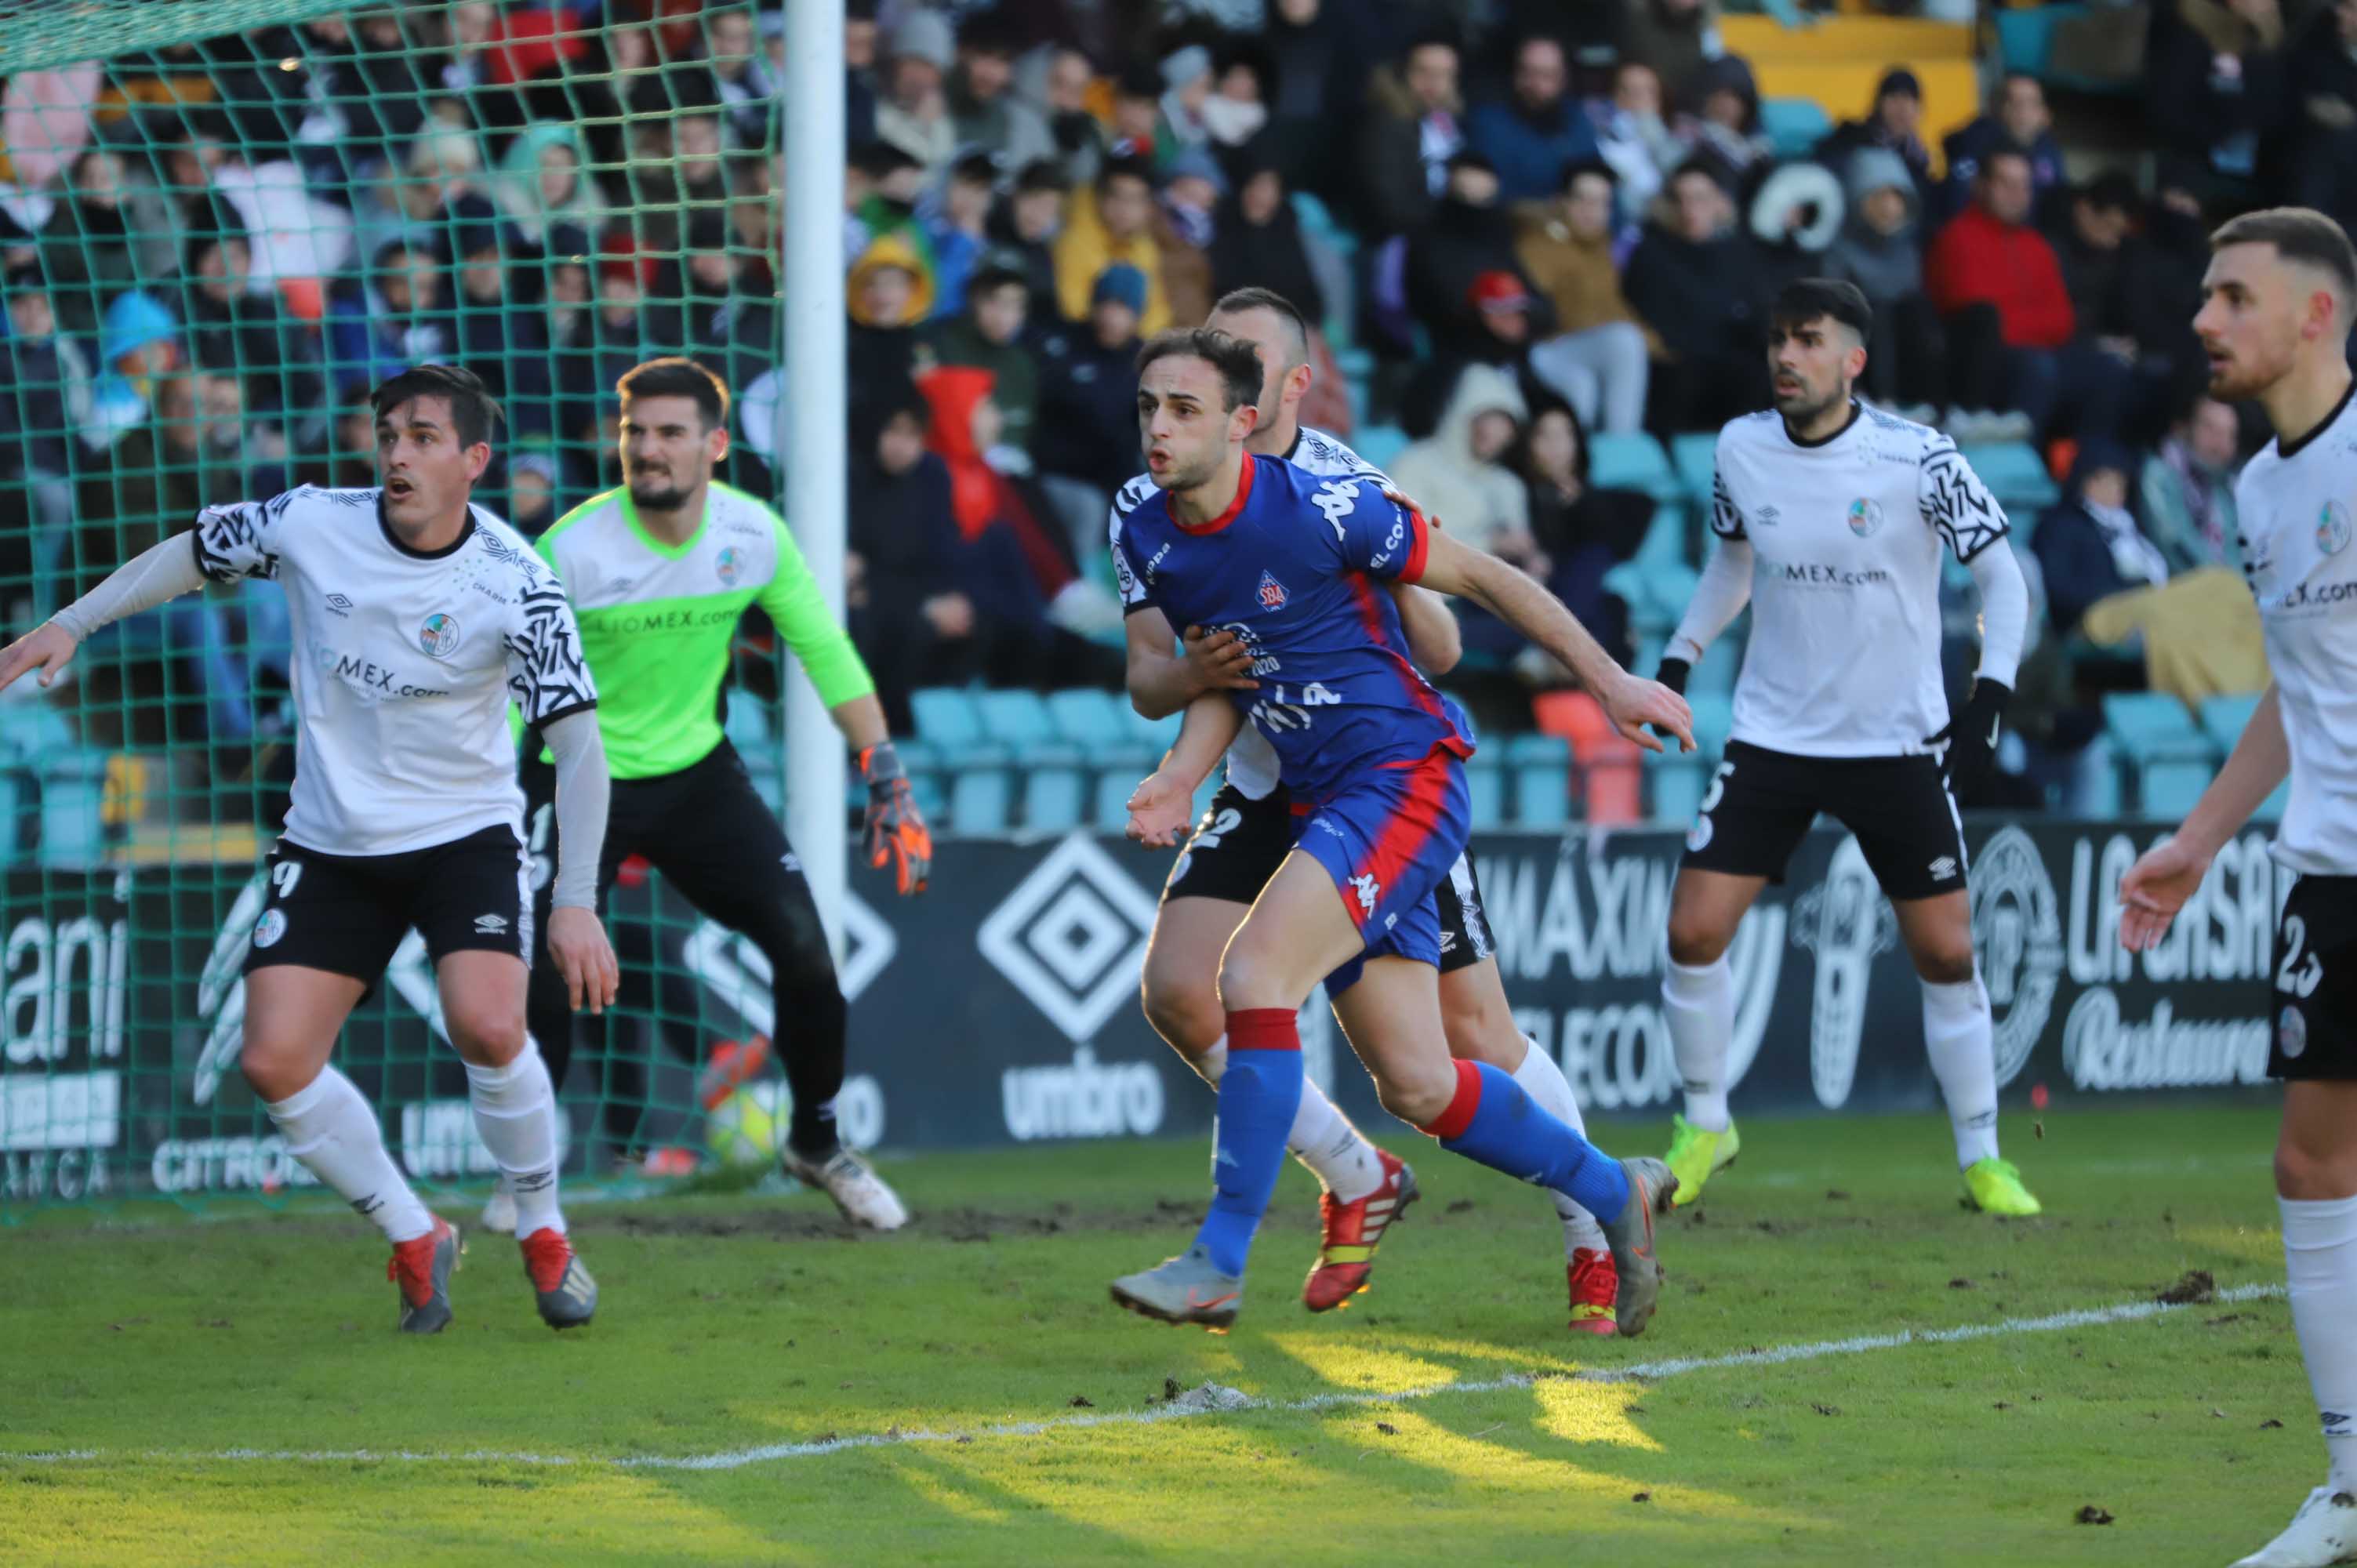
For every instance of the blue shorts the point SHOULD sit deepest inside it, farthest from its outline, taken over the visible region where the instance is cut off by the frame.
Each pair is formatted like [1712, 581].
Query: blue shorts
[1388, 841]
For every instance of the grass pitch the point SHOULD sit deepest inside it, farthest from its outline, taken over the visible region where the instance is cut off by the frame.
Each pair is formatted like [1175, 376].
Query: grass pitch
[151, 1350]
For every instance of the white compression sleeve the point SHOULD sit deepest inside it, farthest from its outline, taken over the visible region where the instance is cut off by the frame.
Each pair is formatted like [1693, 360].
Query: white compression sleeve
[2005, 611]
[163, 572]
[1719, 597]
[582, 790]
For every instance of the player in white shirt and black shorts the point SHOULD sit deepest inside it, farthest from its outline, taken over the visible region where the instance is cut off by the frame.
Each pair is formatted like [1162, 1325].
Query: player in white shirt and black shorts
[417, 617]
[2276, 308]
[1831, 519]
[1248, 829]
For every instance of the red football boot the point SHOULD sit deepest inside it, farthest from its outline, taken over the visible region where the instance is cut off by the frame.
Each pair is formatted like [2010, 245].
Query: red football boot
[1354, 1231]
[1595, 1284]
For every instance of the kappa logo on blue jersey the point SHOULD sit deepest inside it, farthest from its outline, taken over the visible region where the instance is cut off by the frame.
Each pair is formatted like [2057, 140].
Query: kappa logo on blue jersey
[1271, 593]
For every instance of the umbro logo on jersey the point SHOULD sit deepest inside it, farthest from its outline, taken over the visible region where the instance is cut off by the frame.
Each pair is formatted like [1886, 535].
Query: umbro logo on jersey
[490, 924]
[1767, 517]
[339, 605]
[1945, 868]
[1271, 593]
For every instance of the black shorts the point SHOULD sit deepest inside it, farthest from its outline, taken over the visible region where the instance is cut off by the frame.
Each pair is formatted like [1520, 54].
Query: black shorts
[1241, 842]
[347, 914]
[2315, 999]
[1761, 804]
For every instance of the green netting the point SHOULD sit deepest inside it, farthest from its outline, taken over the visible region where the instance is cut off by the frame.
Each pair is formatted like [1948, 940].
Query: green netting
[221, 223]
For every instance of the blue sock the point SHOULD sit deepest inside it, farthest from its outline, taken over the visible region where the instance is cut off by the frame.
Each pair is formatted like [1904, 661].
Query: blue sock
[1259, 1093]
[1494, 1121]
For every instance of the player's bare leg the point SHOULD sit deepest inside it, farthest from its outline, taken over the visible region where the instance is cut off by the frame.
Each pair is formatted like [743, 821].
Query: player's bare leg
[1480, 1028]
[1365, 1189]
[2316, 1188]
[515, 1113]
[1958, 1036]
[1698, 1003]
[292, 1017]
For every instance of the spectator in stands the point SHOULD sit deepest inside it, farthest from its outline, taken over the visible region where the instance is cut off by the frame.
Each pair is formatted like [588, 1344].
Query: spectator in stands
[1112, 222]
[2217, 85]
[2010, 326]
[1582, 530]
[1894, 126]
[1024, 228]
[348, 459]
[889, 292]
[1634, 138]
[389, 319]
[989, 335]
[1257, 242]
[985, 112]
[1693, 282]
[1469, 235]
[535, 496]
[139, 341]
[1079, 136]
[624, 332]
[2322, 152]
[959, 232]
[1881, 251]
[542, 183]
[1537, 129]
[913, 114]
[905, 606]
[109, 233]
[1086, 440]
[2089, 547]
[882, 188]
[1192, 187]
[858, 71]
[741, 83]
[1412, 130]
[1137, 131]
[1723, 123]
[231, 325]
[45, 392]
[1673, 38]
[1598, 360]
[2018, 118]
[1318, 54]
[1237, 110]
[1460, 473]
[1187, 89]
[506, 347]
[2186, 493]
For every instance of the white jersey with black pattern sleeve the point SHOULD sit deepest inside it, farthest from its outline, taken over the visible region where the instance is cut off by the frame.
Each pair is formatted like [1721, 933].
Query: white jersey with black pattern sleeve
[1252, 762]
[404, 664]
[1847, 535]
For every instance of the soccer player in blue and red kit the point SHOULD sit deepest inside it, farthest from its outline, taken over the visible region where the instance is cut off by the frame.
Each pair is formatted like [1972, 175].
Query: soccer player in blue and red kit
[1374, 759]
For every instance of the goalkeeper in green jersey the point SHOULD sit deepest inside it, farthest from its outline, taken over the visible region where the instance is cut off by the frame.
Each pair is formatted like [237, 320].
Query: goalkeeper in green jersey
[658, 572]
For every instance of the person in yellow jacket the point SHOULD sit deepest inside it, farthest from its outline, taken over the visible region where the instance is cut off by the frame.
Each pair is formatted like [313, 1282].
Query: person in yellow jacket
[1112, 221]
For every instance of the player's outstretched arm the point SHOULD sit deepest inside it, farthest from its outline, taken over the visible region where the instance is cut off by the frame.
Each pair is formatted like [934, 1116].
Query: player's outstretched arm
[576, 938]
[2164, 877]
[164, 572]
[1724, 588]
[1161, 807]
[1163, 678]
[1631, 701]
[894, 833]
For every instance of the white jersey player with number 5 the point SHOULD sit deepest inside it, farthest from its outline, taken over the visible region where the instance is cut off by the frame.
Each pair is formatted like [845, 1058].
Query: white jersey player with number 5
[2274, 320]
[1832, 520]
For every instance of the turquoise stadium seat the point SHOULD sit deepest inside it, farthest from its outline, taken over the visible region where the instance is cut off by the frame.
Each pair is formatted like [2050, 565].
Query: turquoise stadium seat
[1721, 662]
[2106, 799]
[1714, 717]
[1633, 462]
[2173, 761]
[1380, 444]
[1089, 718]
[981, 801]
[2223, 718]
[1794, 125]
[2016, 476]
[1694, 456]
[1019, 719]
[1485, 789]
[1541, 764]
[73, 787]
[946, 715]
[1053, 793]
[1679, 782]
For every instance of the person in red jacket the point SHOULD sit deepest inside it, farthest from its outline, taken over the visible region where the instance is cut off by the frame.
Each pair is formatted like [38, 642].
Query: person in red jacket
[2014, 337]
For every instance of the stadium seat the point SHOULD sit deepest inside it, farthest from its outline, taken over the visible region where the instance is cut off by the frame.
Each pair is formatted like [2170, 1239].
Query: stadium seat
[2173, 761]
[1155, 734]
[2015, 474]
[1380, 444]
[1485, 789]
[1633, 462]
[1015, 718]
[1610, 782]
[1679, 779]
[981, 801]
[946, 715]
[1090, 719]
[1109, 803]
[1053, 791]
[73, 788]
[1694, 456]
[2104, 795]
[1541, 764]
[1794, 125]
[1714, 675]
[1714, 716]
[2223, 718]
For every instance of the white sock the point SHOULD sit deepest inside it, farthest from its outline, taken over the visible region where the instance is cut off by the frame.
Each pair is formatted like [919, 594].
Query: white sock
[1956, 1037]
[1322, 1139]
[1543, 1080]
[2320, 1256]
[1700, 1006]
[515, 1112]
[329, 1126]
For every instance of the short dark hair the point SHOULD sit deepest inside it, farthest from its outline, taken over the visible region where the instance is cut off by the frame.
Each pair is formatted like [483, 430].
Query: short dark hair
[2299, 234]
[1268, 299]
[673, 376]
[1236, 360]
[25, 277]
[1576, 168]
[1804, 300]
[472, 409]
[2007, 149]
[2111, 191]
[1123, 168]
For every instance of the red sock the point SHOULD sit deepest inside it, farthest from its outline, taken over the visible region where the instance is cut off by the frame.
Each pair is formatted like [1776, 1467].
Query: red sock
[1462, 1105]
[1264, 1029]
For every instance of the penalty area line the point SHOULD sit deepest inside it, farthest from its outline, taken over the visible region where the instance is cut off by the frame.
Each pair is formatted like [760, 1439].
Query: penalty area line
[1209, 1399]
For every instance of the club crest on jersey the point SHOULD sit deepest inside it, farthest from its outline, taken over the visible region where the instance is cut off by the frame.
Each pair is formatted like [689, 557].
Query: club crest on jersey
[2332, 528]
[270, 927]
[730, 565]
[1271, 593]
[1865, 517]
[2291, 1034]
[439, 635]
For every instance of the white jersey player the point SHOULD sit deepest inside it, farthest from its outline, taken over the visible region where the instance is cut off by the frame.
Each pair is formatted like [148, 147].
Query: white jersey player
[2274, 320]
[1831, 519]
[1246, 833]
[418, 617]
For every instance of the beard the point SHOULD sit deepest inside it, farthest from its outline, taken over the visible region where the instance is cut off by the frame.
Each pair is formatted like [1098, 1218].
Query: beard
[656, 492]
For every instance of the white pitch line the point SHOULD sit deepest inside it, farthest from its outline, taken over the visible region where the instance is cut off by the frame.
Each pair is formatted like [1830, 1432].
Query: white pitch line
[1211, 1399]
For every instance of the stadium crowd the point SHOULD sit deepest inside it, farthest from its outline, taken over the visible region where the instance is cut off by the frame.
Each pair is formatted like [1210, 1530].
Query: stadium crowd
[1510, 225]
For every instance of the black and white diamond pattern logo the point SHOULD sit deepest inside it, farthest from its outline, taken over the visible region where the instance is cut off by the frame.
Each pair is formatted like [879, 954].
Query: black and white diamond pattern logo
[737, 972]
[1073, 937]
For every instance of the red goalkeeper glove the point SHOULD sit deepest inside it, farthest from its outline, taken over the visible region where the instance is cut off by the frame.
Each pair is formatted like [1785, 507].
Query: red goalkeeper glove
[895, 830]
